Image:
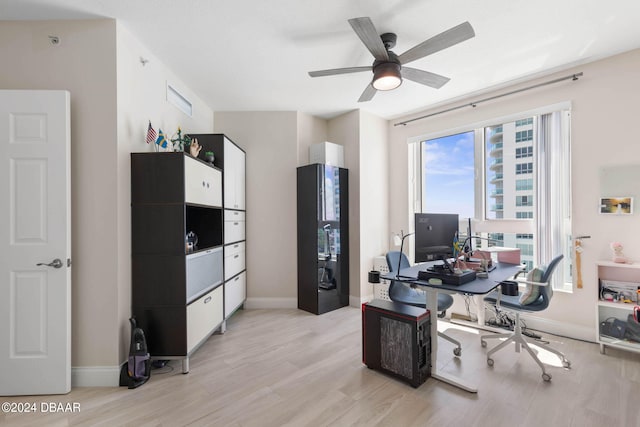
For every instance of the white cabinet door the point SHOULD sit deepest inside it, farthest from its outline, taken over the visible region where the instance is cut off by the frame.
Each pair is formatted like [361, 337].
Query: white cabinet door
[203, 315]
[235, 292]
[234, 176]
[234, 260]
[203, 184]
[234, 226]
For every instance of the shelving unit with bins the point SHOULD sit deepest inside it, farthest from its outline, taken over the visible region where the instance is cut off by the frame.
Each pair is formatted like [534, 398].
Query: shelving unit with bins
[177, 292]
[630, 273]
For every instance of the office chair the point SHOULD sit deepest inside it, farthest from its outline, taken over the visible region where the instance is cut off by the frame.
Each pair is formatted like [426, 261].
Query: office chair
[406, 294]
[513, 304]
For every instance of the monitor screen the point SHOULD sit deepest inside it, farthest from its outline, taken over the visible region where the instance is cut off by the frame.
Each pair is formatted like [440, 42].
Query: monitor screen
[434, 236]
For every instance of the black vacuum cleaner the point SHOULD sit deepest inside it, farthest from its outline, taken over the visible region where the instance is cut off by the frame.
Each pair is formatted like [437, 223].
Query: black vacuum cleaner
[137, 370]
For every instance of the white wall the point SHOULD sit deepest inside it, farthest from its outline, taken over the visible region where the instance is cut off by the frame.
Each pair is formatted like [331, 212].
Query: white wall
[270, 140]
[276, 144]
[345, 130]
[365, 138]
[112, 99]
[141, 96]
[83, 63]
[604, 110]
[374, 196]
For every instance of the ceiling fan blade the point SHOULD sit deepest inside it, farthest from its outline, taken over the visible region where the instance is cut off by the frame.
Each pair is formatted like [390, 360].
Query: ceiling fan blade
[437, 43]
[336, 71]
[368, 93]
[367, 32]
[424, 77]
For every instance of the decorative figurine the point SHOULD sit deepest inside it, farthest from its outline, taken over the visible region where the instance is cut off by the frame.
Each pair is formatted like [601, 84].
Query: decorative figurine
[180, 142]
[194, 147]
[618, 255]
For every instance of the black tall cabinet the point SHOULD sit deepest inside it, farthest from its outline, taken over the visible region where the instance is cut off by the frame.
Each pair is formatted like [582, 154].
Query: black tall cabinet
[323, 238]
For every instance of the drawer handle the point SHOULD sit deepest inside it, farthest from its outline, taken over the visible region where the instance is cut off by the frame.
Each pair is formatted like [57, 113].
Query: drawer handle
[237, 256]
[207, 299]
[236, 279]
[204, 183]
[235, 223]
[236, 213]
[236, 246]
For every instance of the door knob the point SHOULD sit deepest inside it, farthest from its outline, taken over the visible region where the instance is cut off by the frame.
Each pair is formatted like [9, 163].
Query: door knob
[56, 263]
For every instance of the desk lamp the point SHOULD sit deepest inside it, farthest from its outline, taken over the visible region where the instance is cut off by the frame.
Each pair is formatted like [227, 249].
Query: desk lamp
[398, 240]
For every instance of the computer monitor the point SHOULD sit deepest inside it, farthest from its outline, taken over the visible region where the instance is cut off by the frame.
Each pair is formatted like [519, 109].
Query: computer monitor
[434, 236]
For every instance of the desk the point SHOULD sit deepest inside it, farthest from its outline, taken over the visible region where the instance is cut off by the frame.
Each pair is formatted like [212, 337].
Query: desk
[479, 286]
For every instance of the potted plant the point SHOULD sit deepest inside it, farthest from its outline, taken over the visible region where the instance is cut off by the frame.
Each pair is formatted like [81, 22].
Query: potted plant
[209, 157]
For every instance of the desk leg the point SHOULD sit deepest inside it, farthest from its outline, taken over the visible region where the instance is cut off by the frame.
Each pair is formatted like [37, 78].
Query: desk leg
[479, 299]
[432, 305]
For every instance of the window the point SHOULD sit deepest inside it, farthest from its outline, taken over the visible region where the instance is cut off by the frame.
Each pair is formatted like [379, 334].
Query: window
[524, 168]
[524, 184]
[524, 200]
[514, 203]
[448, 175]
[524, 215]
[524, 152]
[524, 236]
[524, 135]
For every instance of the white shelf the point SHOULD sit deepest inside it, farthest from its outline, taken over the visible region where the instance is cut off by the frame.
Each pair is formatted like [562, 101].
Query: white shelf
[609, 270]
[621, 344]
[616, 305]
[634, 264]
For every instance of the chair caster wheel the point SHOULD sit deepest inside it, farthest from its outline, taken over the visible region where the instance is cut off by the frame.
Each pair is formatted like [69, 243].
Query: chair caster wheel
[483, 343]
[457, 351]
[546, 377]
[490, 362]
[566, 364]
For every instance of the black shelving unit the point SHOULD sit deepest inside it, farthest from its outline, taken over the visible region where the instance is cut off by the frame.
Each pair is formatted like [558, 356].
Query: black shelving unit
[177, 293]
[323, 238]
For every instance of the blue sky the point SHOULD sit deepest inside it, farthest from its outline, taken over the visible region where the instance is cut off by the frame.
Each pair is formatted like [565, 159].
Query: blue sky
[448, 166]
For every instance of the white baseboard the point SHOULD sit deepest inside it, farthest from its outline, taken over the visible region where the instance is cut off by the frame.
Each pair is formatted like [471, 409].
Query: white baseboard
[95, 376]
[560, 328]
[542, 325]
[358, 301]
[273, 303]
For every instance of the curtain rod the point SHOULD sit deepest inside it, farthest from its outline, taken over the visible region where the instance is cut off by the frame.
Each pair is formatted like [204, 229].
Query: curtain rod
[473, 104]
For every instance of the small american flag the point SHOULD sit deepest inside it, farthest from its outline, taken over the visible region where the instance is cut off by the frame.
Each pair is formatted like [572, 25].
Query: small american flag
[151, 134]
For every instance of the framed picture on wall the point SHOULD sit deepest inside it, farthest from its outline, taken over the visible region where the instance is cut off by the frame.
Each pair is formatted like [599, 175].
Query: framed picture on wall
[616, 205]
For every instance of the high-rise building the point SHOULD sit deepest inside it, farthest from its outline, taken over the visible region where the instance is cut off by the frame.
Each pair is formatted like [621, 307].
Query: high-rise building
[510, 165]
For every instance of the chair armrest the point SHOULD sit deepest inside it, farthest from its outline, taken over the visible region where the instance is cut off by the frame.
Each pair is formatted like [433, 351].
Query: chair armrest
[528, 282]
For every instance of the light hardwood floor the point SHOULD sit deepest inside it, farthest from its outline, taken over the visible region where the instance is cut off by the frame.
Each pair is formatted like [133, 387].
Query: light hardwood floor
[288, 367]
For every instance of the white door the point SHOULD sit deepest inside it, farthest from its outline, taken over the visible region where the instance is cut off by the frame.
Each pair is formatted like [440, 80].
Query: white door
[35, 299]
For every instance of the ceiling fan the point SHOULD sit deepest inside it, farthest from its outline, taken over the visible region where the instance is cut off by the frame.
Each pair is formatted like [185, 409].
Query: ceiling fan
[388, 68]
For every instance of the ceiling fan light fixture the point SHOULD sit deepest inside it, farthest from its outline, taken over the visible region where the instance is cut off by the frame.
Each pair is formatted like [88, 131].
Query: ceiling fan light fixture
[386, 76]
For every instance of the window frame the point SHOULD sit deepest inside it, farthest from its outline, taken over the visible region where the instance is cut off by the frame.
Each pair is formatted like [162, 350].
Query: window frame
[481, 224]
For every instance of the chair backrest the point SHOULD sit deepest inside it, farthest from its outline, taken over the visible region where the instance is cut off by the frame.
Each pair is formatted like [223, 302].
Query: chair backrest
[547, 291]
[394, 257]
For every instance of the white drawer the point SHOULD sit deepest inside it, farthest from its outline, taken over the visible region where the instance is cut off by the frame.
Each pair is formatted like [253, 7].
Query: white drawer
[235, 292]
[233, 231]
[203, 184]
[230, 215]
[203, 315]
[234, 259]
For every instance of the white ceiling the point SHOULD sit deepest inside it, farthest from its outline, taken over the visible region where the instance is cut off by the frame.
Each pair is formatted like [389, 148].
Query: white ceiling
[254, 55]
